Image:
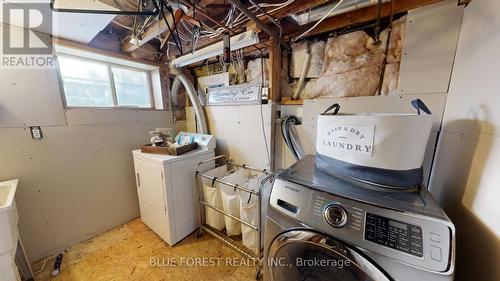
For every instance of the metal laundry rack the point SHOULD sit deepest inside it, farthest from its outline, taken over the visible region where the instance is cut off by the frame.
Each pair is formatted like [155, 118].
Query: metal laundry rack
[235, 245]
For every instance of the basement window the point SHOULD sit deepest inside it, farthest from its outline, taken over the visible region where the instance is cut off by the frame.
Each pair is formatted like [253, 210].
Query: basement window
[92, 83]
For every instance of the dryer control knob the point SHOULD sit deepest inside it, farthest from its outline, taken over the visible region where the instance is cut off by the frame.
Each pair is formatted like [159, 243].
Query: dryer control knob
[335, 215]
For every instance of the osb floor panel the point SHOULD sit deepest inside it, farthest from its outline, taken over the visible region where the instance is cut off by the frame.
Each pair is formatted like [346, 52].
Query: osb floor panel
[124, 253]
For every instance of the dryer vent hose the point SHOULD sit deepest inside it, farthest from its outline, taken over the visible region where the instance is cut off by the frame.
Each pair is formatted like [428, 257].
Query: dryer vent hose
[201, 123]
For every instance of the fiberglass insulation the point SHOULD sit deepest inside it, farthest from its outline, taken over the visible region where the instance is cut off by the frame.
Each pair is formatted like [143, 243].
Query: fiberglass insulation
[254, 71]
[391, 74]
[299, 51]
[353, 63]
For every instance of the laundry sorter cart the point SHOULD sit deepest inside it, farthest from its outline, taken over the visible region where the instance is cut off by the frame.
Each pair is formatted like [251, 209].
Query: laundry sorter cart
[253, 195]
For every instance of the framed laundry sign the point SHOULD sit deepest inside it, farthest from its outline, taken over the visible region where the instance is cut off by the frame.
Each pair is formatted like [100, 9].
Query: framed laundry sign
[235, 95]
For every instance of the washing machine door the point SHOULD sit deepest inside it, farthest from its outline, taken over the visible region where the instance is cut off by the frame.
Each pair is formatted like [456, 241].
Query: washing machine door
[308, 255]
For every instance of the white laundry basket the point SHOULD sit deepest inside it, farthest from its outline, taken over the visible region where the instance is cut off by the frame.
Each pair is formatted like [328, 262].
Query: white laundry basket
[212, 196]
[231, 200]
[384, 149]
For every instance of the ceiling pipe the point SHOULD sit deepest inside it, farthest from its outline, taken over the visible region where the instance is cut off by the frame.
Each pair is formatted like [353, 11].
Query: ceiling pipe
[258, 22]
[315, 14]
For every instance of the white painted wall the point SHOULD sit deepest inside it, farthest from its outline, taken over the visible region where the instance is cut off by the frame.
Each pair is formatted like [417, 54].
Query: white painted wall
[242, 132]
[79, 179]
[429, 48]
[466, 175]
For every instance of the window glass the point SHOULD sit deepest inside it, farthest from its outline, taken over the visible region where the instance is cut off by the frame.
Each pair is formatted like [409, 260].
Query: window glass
[132, 87]
[85, 83]
[90, 83]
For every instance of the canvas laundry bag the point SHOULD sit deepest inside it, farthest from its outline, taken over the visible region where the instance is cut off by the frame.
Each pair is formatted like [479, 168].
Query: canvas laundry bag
[212, 195]
[231, 200]
[249, 210]
[383, 149]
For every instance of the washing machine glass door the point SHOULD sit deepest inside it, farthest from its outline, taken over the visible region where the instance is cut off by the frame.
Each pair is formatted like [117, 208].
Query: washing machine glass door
[308, 255]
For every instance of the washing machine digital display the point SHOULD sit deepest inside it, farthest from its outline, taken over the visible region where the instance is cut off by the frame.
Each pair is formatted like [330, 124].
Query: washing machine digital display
[394, 234]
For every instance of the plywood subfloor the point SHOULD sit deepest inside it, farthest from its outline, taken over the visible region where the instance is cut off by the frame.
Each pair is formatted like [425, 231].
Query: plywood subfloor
[124, 253]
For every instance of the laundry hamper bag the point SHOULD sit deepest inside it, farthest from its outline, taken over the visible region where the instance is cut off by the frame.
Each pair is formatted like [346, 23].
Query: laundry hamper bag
[231, 200]
[382, 149]
[249, 210]
[212, 195]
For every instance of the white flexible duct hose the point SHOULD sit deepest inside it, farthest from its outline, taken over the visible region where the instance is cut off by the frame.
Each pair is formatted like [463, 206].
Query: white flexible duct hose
[201, 123]
[303, 73]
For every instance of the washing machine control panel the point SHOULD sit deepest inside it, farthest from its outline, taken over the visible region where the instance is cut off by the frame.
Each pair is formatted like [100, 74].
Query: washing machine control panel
[414, 239]
[394, 234]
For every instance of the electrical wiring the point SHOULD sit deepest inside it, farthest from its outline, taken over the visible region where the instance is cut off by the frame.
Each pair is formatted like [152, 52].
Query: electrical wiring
[262, 114]
[122, 25]
[238, 63]
[235, 19]
[273, 20]
[318, 22]
[168, 50]
[252, 8]
[178, 42]
[175, 25]
[43, 266]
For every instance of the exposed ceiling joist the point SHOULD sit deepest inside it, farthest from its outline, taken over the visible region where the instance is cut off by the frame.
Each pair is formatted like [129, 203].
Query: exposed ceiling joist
[258, 22]
[156, 29]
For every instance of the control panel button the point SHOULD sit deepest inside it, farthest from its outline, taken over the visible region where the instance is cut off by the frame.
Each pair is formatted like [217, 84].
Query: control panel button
[435, 237]
[436, 253]
[335, 215]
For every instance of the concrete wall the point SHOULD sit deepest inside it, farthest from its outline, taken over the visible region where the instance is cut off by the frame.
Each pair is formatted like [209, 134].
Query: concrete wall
[466, 174]
[79, 179]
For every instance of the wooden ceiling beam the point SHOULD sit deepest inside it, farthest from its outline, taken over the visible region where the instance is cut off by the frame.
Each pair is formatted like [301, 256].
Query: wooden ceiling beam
[157, 28]
[86, 48]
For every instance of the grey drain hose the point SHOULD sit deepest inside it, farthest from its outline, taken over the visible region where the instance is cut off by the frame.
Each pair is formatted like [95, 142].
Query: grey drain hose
[291, 137]
[201, 123]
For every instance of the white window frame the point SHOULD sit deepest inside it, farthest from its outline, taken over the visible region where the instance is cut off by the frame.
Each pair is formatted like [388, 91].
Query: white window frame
[109, 65]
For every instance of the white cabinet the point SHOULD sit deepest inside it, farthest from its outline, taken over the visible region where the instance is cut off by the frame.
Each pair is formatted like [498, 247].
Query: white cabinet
[166, 187]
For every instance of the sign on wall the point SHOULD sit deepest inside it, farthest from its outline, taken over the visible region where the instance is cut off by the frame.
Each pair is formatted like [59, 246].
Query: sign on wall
[234, 95]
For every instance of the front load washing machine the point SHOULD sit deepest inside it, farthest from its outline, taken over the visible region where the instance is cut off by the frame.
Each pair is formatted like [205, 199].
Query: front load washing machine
[321, 227]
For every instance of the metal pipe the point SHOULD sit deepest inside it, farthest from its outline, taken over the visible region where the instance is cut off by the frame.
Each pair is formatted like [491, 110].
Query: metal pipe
[316, 13]
[248, 167]
[235, 186]
[259, 23]
[259, 219]
[195, 101]
[154, 12]
[229, 243]
[212, 159]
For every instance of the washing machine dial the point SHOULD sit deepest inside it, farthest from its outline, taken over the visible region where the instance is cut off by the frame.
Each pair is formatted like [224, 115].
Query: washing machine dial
[335, 215]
